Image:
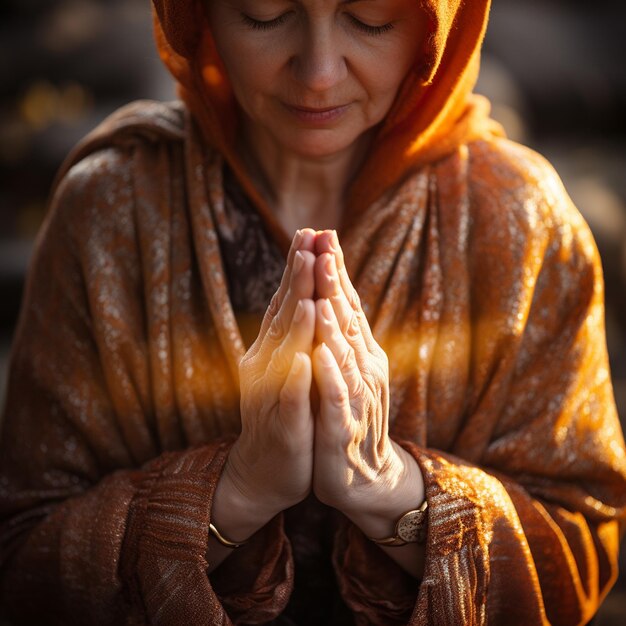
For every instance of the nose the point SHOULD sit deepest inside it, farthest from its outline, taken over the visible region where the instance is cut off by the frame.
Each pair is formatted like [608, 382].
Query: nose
[319, 63]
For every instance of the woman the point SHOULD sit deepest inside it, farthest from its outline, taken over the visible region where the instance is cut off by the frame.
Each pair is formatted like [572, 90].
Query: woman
[181, 447]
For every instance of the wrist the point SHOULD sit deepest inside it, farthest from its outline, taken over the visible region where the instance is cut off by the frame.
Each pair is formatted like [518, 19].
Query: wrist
[237, 515]
[397, 493]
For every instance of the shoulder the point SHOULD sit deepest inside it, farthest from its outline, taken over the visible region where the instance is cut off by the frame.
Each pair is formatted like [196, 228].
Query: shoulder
[514, 186]
[532, 256]
[125, 154]
[98, 184]
[95, 188]
[144, 126]
[146, 120]
[141, 123]
[519, 180]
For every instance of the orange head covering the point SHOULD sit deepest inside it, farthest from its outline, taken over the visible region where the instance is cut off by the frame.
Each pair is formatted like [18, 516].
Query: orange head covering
[433, 113]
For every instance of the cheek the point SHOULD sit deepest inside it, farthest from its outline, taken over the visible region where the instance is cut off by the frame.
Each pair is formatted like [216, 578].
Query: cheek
[384, 72]
[252, 69]
[381, 78]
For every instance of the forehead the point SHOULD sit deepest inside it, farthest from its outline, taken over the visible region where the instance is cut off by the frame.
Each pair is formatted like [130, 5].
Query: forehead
[323, 5]
[317, 3]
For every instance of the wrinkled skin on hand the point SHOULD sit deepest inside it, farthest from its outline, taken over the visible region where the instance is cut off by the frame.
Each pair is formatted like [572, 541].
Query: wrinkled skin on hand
[315, 331]
[271, 462]
[357, 466]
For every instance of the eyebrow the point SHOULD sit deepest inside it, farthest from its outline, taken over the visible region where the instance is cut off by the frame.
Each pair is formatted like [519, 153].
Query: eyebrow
[343, 1]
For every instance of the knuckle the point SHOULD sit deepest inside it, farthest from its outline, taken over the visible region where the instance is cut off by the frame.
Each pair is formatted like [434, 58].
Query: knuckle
[276, 330]
[347, 362]
[354, 299]
[279, 364]
[246, 368]
[340, 398]
[274, 305]
[353, 328]
[362, 320]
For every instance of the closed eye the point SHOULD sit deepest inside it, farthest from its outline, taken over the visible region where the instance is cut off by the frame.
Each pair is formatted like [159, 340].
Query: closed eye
[368, 28]
[278, 21]
[265, 24]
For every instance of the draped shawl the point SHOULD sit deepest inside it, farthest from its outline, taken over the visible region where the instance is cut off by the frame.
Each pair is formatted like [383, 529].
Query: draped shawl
[480, 280]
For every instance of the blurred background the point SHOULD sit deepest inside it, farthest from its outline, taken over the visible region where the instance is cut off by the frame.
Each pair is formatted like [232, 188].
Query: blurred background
[554, 70]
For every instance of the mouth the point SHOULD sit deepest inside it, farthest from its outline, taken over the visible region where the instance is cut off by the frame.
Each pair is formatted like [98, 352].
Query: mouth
[318, 114]
[317, 109]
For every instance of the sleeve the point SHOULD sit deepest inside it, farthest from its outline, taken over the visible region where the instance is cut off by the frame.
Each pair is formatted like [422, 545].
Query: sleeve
[528, 503]
[99, 524]
[375, 588]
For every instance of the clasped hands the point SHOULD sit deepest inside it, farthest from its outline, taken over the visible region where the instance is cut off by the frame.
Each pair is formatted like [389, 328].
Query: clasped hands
[314, 400]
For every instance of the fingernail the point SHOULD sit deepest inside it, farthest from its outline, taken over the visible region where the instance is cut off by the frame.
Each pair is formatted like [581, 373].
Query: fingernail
[326, 355]
[327, 310]
[297, 239]
[299, 312]
[298, 262]
[333, 242]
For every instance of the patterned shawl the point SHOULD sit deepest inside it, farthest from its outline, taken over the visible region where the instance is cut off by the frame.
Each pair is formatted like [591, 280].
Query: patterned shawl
[479, 278]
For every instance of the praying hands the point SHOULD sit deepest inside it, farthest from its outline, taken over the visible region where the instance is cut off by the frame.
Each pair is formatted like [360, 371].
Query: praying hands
[334, 442]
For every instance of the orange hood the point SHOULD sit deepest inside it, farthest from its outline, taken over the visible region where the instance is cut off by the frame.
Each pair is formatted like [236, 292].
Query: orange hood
[433, 113]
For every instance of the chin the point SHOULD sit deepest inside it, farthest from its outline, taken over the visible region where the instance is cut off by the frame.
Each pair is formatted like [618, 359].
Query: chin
[318, 143]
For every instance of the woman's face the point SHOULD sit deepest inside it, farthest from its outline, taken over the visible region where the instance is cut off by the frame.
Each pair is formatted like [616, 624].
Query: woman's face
[316, 74]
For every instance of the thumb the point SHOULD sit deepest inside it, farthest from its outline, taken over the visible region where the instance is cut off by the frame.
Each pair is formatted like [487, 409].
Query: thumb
[294, 398]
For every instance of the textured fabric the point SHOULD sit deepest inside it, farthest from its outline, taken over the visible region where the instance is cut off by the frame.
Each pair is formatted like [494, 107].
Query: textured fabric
[434, 112]
[123, 399]
[157, 257]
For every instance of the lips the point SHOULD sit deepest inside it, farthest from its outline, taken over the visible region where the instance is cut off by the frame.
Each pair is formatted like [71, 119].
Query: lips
[315, 109]
[317, 115]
